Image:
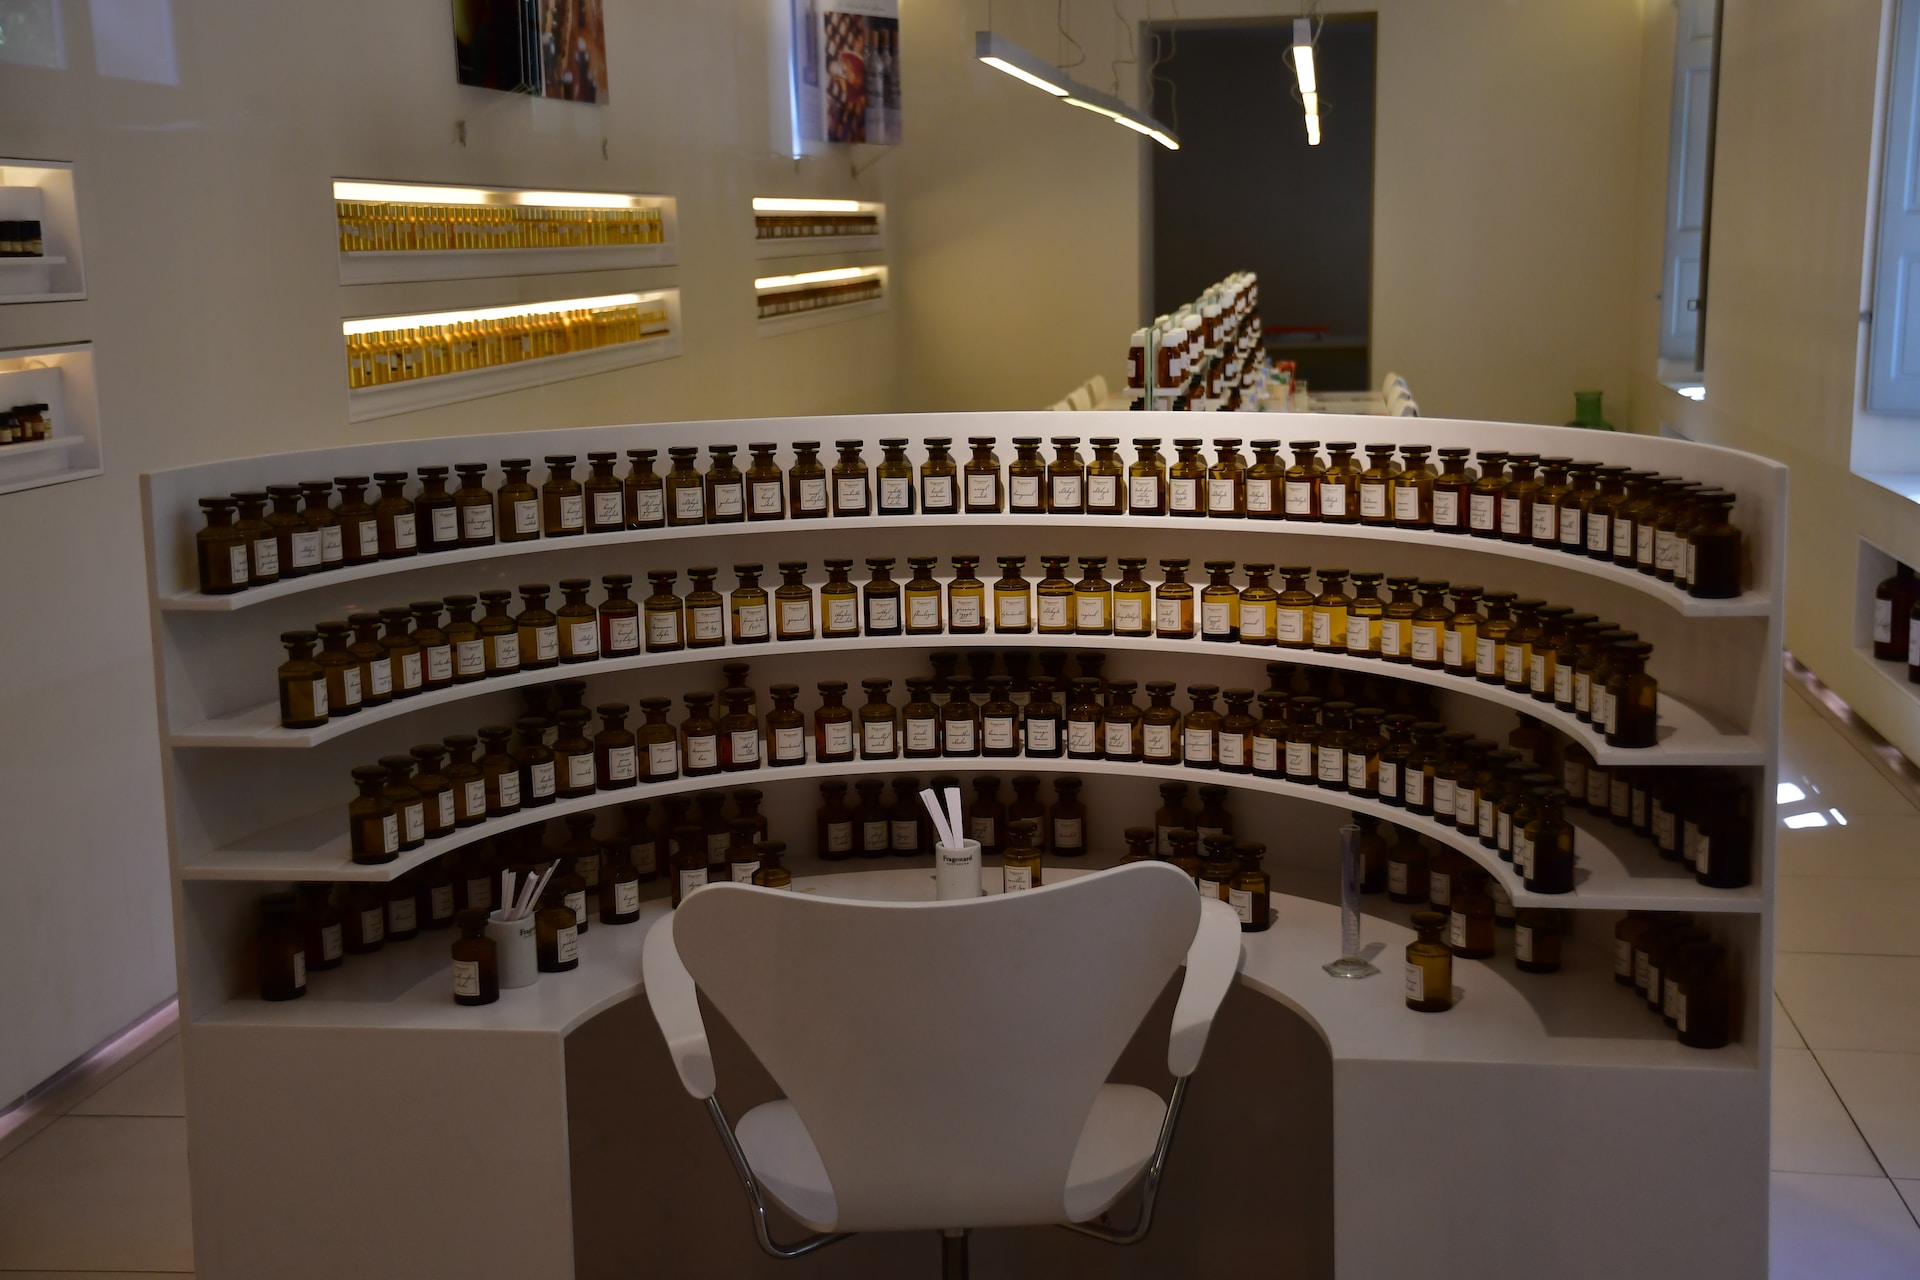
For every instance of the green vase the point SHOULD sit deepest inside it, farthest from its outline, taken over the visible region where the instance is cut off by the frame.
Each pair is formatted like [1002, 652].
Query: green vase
[1586, 411]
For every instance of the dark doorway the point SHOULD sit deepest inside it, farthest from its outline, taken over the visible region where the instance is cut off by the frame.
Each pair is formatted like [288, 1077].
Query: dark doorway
[1246, 192]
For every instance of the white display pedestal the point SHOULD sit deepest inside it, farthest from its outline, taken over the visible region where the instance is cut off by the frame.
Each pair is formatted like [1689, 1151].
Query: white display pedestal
[1545, 1126]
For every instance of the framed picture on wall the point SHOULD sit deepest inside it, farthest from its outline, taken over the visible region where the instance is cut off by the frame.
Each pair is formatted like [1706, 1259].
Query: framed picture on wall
[846, 70]
[547, 48]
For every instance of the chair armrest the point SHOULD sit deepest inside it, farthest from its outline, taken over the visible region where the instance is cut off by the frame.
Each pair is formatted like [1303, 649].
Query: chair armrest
[676, 1008]
[1212, 961]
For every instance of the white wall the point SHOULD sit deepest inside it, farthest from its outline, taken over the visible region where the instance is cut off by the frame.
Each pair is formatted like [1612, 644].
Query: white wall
[1504, 230]
[206, 213]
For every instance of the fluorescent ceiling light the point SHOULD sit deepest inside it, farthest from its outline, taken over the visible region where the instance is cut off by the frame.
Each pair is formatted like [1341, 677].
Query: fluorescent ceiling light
[781, 204]
[1311, 101]
[1787, 793]
[1303, 54]
[376, 324]
[815, 277]
[1004, 55]
[1800, 821]
[399, 193]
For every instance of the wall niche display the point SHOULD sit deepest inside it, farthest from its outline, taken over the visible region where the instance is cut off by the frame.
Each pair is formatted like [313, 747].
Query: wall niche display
[846, 70]
[546, 48]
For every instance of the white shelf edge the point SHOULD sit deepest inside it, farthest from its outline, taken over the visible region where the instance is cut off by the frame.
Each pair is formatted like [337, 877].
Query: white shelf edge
[801, 247]
[364, 403]
[51, 260]
[53, 444]
[8, 299]
[257, 728]
[775, 326]
[398, 266]
[1748, 605]
[331, 862]
[57, 477]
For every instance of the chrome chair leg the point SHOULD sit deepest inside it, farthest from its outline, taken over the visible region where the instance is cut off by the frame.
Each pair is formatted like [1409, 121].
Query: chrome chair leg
[1150, 1183]
[747, 1180]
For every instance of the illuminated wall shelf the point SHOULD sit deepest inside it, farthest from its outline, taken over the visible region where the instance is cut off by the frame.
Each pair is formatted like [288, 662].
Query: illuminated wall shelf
[62, 379]
[471, 384]
[42, 190]
[381, 266]
[861, 282]
[773, 217]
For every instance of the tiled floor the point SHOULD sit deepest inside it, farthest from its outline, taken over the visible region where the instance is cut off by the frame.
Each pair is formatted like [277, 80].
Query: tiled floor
[100, 1191]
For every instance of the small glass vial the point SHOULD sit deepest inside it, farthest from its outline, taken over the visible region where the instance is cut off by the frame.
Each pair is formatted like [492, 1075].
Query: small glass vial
[1147, 479]
[766, 487]
[563, 503]
[539, 629]
[303, 683]
[1429, 965]
[1187, 480]
[807, 495]
[516, 503]
[686, 493]
[1067, 835]
[852, 486]
[1413, 489]
[359, 529]
[1026, 478]
[1220, 604]
[1339, 485]
[1066, 478]
[982, 473]
[893, 478]
[726, 496]
[1106, 478]
[1227, 482]
[1093, 599]
[604, 495]
[793, 602]
[939, 495]
[966, 598]
[1451, 491]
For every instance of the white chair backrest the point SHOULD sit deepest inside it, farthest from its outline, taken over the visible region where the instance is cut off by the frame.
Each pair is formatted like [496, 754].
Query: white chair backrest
[943, 1056]
[1097, 389]
[1080, 399]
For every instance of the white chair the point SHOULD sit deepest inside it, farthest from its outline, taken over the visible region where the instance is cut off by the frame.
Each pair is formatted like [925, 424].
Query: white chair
[1080, 398]
[945, 1063]
[1097, 389]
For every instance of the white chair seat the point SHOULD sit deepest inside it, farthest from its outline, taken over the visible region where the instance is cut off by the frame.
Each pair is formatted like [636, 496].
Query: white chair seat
[1114, 1147]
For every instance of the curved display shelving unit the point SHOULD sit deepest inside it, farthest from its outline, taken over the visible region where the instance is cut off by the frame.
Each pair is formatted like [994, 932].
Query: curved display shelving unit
[1617, 871]
[1687, 736]
[1749, 604]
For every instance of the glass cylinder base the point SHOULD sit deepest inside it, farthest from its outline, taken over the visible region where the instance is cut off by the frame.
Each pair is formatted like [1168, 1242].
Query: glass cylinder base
[1350, 967]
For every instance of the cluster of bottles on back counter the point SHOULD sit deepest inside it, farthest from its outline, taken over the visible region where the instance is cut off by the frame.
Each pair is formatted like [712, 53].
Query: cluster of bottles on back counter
[1674, 529]
[1302, 733]
[1574, 661]
[1208, 356]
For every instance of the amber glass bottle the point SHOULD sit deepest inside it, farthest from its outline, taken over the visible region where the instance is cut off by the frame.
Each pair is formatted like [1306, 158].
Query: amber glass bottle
[538, 628]
[602, 494]
[726, 496]
[1220, 604]
[359, 529]
[1340, 486]
[1026, 478]
[1451, 490]
[1428, 642]
[982, 472]
[1200, 728]
[1187, 480]
[1483, 496]
[1147, 479]
[1093, 598]
[852, 484]
[766, 487]
[686, 493]
[1407, 868]
[517, 503]
[1490, 638]
[405, 672]
[1413, 489]
[966, 598]
[303, 683]
[1396, 621]
[1173, 602]
[1470, 927]
[263, 549]
[1714, 552]
[220, 550]
[1106, 483]
[1227, 482]
[938, 478]
[1376, 486]
[563, 503]
[1020, 861]
[1067, 834]
[807, 482]
[324, 525]
[1544, 527]
[893, 477]
[1365, 613]
[373, 822]
[1459, 644]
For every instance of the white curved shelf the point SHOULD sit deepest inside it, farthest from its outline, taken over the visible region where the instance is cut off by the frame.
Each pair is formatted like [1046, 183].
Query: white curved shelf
[1616, 872]
[1576, 1016]
[1688, 737]
[1751, 604]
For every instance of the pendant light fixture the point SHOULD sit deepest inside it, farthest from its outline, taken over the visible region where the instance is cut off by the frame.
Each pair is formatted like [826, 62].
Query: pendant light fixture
[1307, 78]
[1005, 56]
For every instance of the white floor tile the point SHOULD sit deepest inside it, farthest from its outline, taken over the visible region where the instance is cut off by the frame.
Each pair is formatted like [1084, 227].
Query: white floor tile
[1841, 780]
[1811, 1131]
[1881, 1091]
[1870, 844]
[1852, 1002]
[1833, 1228]
[105, 1193]
[1877, 916]
[153, 1086]
[1785, 1036]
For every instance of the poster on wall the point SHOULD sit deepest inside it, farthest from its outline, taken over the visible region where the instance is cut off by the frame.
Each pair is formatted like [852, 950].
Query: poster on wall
[846, 70]
[547, 48]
